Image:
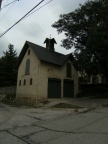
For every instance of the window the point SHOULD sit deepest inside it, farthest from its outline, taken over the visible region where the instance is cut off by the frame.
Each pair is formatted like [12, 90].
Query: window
[24, 82]
[31, 81]
[69, 70]
[20, 83]
[27, 68]
[29, 52]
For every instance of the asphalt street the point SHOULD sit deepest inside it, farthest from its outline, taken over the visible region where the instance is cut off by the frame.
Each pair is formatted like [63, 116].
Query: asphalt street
[52, 126]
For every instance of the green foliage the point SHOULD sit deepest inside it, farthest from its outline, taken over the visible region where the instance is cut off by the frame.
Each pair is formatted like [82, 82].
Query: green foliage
[87, 63]
[8, 76]
[92, 90]
[101, 92]
[87, 30]
[10, 97]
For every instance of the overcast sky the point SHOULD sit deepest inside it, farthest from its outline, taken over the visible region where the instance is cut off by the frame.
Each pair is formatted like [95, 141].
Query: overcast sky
[37, 26]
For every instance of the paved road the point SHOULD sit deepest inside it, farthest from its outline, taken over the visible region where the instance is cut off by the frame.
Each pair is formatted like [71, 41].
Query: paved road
[48, 126]
[5, 113]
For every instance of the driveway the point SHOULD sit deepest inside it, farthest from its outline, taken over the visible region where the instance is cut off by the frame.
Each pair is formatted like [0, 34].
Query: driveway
[5, 113]
[88, 103]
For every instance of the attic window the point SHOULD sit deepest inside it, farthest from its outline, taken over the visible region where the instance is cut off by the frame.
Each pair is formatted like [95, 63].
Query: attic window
[29, 52]
[27, 67]
[68, 70]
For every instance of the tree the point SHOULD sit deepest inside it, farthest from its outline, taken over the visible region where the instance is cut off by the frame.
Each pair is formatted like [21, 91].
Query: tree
[8, 76]
[87, 30]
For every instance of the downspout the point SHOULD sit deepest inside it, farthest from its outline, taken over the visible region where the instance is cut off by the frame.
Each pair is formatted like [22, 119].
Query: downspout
[0, 4]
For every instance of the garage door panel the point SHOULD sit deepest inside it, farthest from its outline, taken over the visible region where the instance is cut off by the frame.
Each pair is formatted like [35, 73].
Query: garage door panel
[68, 89]
[54, 88]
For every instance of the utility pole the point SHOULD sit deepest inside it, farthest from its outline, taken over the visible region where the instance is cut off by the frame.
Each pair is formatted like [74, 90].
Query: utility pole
[0, 4]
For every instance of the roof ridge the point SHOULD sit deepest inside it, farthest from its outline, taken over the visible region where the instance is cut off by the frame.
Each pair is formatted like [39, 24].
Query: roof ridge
[46, 48]
[35, 44]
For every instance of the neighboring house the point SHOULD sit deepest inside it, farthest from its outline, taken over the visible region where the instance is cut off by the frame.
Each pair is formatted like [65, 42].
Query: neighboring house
[44, 73]
[90, 79]
[98, 79]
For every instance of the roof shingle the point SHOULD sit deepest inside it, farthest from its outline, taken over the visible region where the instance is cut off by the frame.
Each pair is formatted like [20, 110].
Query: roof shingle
[43, 54]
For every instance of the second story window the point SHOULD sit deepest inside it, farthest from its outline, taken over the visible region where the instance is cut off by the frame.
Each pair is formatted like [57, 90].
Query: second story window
[27, 67]
[68, 70]
[29, 52]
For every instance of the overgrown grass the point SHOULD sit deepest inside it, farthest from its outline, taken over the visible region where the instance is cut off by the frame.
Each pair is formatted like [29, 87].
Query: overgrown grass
[65, 105]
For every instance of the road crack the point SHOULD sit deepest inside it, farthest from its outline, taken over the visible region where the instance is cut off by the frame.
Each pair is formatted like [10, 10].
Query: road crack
[75, 131]
[33, 117]
[17, 137]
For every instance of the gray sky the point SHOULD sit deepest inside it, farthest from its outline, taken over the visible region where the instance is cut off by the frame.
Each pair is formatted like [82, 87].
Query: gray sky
[36, 27]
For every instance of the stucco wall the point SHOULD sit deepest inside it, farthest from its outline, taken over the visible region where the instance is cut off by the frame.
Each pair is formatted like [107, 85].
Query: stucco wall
[50, 71]
[40, 72]
[28, 90]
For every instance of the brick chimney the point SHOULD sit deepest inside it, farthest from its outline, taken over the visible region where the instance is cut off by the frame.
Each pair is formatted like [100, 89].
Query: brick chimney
[50, 44]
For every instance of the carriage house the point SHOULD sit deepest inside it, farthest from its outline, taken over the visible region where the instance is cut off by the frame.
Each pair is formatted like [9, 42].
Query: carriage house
[44, 73]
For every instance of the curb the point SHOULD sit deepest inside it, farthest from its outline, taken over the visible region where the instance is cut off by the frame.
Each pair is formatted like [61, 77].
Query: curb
[83, 110]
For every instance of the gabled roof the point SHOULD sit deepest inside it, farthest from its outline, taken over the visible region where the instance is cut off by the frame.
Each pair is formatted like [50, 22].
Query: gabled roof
[43, 54]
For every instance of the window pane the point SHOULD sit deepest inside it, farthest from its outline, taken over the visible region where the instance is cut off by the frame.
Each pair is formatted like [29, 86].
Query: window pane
[68, 69]
[24, 82]
[27, 68]
[29, 52]
[20, 83]
[31, 81]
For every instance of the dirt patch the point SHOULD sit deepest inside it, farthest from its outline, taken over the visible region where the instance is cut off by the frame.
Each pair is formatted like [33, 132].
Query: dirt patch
[65, 105]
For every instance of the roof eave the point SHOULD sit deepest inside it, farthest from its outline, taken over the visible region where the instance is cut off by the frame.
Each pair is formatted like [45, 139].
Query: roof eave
[21, 55]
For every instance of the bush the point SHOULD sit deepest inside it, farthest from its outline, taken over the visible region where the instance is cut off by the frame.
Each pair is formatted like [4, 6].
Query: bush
[9, 98]
[93, 92]
[90, 86]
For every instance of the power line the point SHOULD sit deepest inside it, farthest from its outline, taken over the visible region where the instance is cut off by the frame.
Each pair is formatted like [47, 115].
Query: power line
[7, 12]
[6, 2]
[38, 9]
[0, 3]
[9, 4]
[8, 9]
[20, 19]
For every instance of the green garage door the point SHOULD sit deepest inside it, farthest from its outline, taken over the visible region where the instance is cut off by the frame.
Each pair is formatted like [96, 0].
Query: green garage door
[54, 88]
[68, 88]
